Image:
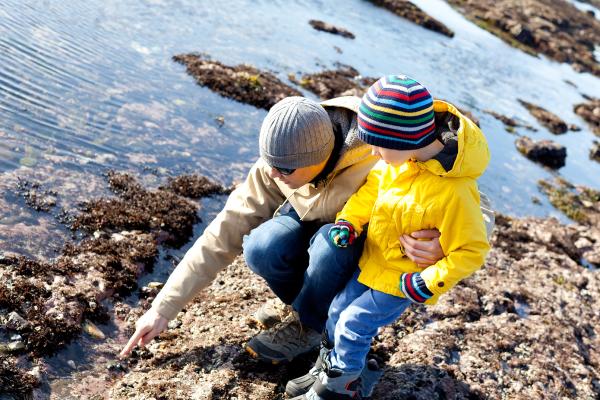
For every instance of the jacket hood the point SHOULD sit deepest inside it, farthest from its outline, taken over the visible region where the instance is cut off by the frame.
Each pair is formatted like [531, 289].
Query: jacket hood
[465, 153]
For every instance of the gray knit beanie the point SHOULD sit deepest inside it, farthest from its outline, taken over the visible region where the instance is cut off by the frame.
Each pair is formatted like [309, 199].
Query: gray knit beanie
[296, 133]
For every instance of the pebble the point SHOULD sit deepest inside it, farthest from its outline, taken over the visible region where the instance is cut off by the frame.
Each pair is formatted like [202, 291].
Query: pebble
[155, 285]
[174, 324]
[16, 322]
[36, 372]
[93, 330]
[71, 364]
[115, 366]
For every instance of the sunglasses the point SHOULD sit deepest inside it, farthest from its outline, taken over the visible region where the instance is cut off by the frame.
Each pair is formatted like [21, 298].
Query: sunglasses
[285, 171]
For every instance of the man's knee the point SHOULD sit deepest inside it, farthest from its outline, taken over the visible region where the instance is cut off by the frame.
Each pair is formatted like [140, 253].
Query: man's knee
[269, 245]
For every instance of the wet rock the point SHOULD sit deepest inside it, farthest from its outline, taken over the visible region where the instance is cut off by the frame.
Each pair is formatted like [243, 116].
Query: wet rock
[242, 83]
[345, 81]
[194, 186]
[551, 27]
[408, 10]
[590, 112]
[325, 27]
[579, 203]
[509, 122]
[93, 331]
[155, 285]
[14, 347]
[116, 367]
[546, 152]
[16, 322]
[595, 151]
[37, 198]
[546, 118]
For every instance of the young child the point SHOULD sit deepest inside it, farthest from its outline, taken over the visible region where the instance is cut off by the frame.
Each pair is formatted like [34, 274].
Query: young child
[431, 157]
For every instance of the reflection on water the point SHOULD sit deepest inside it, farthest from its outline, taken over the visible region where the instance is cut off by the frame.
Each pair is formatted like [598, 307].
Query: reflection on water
[90, 85]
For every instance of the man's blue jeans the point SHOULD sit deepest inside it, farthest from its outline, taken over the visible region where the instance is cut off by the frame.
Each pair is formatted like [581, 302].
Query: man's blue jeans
[300, 264]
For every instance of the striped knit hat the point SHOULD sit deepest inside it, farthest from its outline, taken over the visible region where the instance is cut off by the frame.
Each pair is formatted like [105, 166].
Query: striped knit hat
[397, 113]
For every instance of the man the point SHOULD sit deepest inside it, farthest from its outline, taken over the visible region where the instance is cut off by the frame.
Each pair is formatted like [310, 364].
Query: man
[311, 163]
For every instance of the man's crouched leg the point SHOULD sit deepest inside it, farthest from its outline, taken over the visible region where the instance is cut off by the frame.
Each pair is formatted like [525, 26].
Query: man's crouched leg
[329, 268]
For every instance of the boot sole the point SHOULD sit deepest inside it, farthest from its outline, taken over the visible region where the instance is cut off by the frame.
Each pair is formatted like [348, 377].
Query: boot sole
[257, 356]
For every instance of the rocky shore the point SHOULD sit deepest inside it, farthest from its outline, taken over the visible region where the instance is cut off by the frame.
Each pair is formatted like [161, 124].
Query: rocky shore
[554, 28]
[525, 326]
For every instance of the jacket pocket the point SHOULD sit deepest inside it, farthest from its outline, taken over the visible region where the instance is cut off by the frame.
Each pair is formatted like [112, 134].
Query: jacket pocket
[406, 220]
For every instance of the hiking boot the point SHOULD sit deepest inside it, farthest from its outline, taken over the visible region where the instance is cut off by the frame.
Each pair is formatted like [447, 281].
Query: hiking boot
[333, 384]
[299, 386]
[271, 313]
[284, 342]
[369, 377]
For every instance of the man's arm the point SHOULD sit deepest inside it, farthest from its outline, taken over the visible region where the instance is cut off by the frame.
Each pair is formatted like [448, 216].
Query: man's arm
[248, 206]
[423, 247]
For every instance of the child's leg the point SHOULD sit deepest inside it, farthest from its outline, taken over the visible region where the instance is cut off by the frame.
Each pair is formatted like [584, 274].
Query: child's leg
[341, 301]
[357, 325]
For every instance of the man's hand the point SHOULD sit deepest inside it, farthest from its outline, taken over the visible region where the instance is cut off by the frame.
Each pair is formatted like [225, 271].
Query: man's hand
[147, 328]
[423, 252]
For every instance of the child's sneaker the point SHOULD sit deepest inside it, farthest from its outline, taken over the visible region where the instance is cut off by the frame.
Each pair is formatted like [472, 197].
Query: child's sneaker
[369, 377]
[334, 384]
[302, 384]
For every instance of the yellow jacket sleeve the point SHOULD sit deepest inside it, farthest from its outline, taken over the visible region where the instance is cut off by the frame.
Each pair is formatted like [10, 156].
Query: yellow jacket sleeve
[463, 240]
[358, 209]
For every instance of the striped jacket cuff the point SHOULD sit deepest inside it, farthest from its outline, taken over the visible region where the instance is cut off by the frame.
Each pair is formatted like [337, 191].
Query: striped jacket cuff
[414, 288]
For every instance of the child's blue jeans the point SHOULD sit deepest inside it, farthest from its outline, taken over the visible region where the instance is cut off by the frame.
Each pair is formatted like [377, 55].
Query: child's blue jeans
[300, 264]
[355, 315]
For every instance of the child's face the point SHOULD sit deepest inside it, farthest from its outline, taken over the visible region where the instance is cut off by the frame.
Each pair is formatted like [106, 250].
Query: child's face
[393, 157]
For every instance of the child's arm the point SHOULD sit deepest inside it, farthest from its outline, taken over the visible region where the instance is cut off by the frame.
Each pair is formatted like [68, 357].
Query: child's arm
[463, 239]
[358, 208]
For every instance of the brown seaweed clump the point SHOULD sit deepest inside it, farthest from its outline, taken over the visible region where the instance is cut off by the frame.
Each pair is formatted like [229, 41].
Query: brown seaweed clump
[158, 211]
[552, 27]
[595, 151]
[194, 186]
[546, 118]
[411, 12]
[546, 152]
[242, 83]
[44, 320]
[325, 27]
[13, 382]
[590, 112]
[509, 123]
[579, 203]
[344, 81]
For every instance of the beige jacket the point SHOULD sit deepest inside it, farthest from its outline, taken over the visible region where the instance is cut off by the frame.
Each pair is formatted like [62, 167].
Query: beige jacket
[258, 199]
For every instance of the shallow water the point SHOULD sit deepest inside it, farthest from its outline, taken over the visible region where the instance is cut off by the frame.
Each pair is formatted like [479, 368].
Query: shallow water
[88, 86]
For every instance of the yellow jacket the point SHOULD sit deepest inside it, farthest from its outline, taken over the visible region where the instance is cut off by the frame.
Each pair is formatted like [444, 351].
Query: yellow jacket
[439, 193]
